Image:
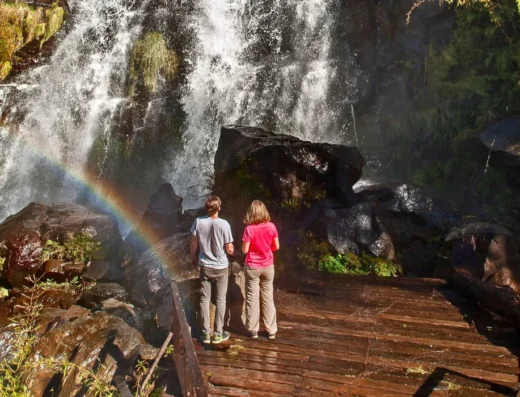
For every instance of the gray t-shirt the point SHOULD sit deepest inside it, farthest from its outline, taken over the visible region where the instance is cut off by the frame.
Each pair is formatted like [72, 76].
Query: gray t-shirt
[213, 235]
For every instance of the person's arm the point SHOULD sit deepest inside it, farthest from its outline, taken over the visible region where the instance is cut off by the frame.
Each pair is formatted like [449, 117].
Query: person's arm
[245, 246]
[194, 243]
[194, 246]
[230, 248]
[276, 244]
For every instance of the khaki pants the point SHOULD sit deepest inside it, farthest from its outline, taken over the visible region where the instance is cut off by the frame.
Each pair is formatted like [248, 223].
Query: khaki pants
[260, 283]
[218, 277]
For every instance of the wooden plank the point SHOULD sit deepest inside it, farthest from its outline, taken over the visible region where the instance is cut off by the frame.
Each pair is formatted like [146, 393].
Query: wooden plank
[250, 384]
[228, 391]
[481, 347]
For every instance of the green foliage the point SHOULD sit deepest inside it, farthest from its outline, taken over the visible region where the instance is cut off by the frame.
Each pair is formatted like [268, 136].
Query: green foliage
[250, 185]
[80, 248]
[365, 264]
[2, 263]
[310, 251]
[21, 24]
[151, 59]
[24, 326]
[4, 293]
[25, 336]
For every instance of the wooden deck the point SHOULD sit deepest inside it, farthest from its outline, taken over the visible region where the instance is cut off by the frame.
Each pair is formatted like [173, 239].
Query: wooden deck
[361, 336]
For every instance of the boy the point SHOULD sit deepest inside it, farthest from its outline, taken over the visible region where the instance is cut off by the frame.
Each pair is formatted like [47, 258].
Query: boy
[213, 236]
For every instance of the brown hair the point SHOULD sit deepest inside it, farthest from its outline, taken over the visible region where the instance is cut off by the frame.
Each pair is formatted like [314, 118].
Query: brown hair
[212, 205]
[257, 213]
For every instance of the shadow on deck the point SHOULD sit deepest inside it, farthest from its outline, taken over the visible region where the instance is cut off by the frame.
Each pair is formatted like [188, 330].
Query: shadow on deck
[365, 336]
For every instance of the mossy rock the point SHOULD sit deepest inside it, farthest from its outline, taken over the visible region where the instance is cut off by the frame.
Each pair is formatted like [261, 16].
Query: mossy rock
[151, 60]
[21, 24]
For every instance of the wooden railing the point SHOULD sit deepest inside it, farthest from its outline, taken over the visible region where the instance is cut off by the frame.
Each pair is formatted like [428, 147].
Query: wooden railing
[186, 362]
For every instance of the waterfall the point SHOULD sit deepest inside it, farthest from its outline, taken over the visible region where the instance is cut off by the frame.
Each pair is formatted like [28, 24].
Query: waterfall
[57, 111]
[266, 63]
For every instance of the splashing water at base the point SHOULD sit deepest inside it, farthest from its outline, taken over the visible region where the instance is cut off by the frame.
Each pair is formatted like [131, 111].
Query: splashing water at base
[265, 63]
[71, 102]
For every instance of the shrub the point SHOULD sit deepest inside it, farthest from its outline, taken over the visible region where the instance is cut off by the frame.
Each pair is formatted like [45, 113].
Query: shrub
[80, 248]
[365, 264]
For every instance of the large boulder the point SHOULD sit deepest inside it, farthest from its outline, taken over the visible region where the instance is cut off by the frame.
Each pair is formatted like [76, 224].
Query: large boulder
[23, 236]
[160, 220]
[503, 135]
[157, 267]
[288, 167]
[358, 229]
[486, 252]
[97, 343]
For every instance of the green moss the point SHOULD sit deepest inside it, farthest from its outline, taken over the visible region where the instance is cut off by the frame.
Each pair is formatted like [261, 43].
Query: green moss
[55, 17]
[151, 59]
[20, 25]
[5, 69]
[365, 264]
[4, 293]
[2, 263]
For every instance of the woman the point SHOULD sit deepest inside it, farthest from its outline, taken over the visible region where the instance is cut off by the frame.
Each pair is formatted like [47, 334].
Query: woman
[260, 239]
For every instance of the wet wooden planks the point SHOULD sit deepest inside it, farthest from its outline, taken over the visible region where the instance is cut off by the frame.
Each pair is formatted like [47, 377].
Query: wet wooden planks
[362, 336]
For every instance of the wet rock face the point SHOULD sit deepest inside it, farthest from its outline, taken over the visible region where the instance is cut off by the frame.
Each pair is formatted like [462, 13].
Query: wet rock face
[288, 167]
[98, 342]
[154, 270]
[22, 236]
[486, 252]
[101, 292]
[503, 135]
[160, 220]
[358, 229]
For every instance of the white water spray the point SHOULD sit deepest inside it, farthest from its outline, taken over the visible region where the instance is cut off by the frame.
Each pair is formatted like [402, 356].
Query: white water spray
[72, 101]
[265, 63]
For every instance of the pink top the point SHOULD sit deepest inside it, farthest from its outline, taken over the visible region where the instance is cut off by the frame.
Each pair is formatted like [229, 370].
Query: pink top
[261, 237]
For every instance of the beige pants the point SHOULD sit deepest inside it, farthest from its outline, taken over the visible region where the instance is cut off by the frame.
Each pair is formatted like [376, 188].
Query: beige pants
[260, 284]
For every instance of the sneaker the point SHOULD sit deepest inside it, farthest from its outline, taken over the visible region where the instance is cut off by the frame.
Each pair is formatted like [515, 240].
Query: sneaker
[271, 336]
[206, 337]
[220, 337]
[254, 335]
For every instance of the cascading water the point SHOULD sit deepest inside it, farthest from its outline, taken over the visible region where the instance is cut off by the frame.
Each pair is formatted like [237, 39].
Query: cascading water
[265, 63]
[62, 107]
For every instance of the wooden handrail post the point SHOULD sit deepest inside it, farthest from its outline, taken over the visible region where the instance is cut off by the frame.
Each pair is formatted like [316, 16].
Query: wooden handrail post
[188, 368]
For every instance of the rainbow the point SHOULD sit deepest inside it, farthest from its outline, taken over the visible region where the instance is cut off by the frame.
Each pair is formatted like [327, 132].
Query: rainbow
[109, 196]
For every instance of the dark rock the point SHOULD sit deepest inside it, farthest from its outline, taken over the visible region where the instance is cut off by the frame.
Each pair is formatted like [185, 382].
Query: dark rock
[22, 236]
[58, 296]
[5, 313]
[98, 342]
[139, 319]
[358, 229]
[60, 271]
[96, 271]
[412, 220]
[288, 167]
[486, 252]
[503, 135]
[101, 292]
[160, 220]
[166, 261]
[236, 298]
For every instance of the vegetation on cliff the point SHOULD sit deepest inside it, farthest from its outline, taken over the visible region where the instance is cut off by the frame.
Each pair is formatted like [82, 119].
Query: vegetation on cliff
[21, 24]
[468, 84]
[151, 60]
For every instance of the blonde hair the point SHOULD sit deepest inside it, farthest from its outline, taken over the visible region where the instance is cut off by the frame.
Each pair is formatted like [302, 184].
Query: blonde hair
[257, 213]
